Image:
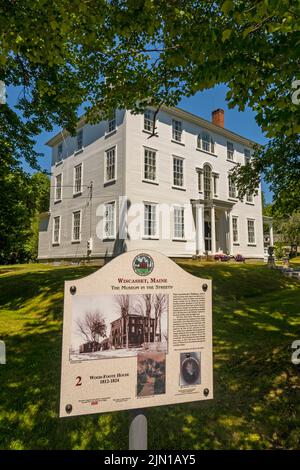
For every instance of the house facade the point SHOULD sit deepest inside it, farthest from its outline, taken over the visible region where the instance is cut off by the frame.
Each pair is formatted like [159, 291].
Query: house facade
[138, 331]
[129, 183]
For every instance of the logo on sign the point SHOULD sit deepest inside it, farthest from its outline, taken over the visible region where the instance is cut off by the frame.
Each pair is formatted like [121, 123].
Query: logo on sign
[143, 264]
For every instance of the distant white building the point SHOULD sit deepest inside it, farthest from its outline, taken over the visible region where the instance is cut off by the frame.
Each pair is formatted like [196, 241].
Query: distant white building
[117, 187]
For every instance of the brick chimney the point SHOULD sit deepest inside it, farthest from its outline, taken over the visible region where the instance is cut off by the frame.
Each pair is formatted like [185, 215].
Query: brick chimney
[217, 117]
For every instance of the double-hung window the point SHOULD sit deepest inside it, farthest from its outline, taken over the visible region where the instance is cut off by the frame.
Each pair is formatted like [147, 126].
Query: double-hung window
[215, 182]
[56, 230]
[247, 156]
[150, 165]
[79, 140]
[177, 130]
[59, 153]
[179, 222]
[178, 176]
[77, 179]
[110, 220]
[150, 220]
[249, 197]
[207, 180]
[206, 143]
[235, 229]
[200, 179]
[251, 231]
[58, 188]
[110, 164]
[231, 187]
[76, 230]
[230, 151]
[149, 120]
[112, 123]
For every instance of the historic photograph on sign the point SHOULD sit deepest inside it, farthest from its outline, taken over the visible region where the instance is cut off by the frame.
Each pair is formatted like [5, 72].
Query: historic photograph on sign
[108, 326]
[151, 373]
[190, 368]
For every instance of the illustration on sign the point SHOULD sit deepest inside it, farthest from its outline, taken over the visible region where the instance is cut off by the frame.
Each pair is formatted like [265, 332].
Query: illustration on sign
[123, 325]
[137, 333]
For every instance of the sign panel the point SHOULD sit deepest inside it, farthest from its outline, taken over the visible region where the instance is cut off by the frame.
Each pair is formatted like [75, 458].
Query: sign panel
[137, 333]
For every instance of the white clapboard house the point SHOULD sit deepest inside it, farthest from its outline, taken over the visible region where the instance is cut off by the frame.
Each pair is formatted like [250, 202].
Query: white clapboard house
[117, 187]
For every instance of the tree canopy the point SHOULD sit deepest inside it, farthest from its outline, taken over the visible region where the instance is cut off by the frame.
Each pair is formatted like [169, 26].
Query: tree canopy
[132, 53]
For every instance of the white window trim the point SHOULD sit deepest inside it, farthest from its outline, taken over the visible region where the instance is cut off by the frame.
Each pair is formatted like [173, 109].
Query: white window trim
[107, 132]
[156, 123]
[233, 159]
[182, 141]
[254, 226]
[174, 237]
[112, 180]
[183, 188]
[215, 183]
[76, 193]
[156, 235]
[146, 180]
[58, 162]
[245, 158]
[211, 181]
[236, 242]
[199, 172]
[59, 232]
[72, 237]
[79, 150]
[232, 198]
[251, 203]
[55, 187]
[211, 140]
[110, 237]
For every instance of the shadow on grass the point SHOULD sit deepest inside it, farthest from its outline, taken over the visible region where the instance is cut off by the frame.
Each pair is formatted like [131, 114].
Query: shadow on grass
[30, 386]
[21, 288]
[256, 401]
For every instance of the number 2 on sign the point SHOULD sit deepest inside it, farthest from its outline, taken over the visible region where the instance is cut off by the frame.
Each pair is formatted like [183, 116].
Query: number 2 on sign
[78, 383]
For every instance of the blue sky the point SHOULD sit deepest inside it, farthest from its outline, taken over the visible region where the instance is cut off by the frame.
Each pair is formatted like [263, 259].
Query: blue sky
[202, 104]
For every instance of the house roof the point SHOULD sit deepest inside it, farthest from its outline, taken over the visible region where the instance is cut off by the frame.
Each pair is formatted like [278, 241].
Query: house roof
[135, 315]
[177, 112]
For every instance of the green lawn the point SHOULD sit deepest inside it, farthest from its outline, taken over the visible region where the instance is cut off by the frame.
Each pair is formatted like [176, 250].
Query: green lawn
[295, 262]
[257, 388]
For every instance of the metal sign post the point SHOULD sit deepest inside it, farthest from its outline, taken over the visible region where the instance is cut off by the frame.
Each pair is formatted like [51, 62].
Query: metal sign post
[2, 353]
[138, 430]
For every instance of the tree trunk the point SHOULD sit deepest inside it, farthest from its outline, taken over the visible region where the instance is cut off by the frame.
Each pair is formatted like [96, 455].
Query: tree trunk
[127, 332]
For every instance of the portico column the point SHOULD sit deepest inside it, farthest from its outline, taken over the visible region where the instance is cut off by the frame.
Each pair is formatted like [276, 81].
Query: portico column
[271, 234]
[213, 230]
[199, 229]
[230, 233]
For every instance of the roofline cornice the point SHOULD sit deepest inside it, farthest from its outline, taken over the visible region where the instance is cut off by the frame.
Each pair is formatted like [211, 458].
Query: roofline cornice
[64, 133]
[176, 112]
[187, 116]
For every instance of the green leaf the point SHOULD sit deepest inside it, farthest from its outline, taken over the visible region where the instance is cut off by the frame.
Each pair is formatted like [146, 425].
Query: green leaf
[226, 34]
[227, 6]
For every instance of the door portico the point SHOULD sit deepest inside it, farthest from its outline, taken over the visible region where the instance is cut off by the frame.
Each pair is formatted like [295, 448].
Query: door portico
[213, 224]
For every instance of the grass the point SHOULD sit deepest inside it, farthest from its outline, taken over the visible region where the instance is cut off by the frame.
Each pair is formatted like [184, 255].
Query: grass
[257, 388]
[295, 262]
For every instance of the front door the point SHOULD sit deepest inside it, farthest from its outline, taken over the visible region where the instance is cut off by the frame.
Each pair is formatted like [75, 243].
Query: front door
[207, 235]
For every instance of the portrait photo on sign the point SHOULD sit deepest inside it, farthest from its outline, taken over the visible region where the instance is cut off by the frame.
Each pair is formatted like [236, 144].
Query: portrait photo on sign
[151, 373]
[121, 325]
[190, 368]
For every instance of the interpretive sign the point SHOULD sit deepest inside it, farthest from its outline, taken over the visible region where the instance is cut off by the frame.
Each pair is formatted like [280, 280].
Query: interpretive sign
[137, 333]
